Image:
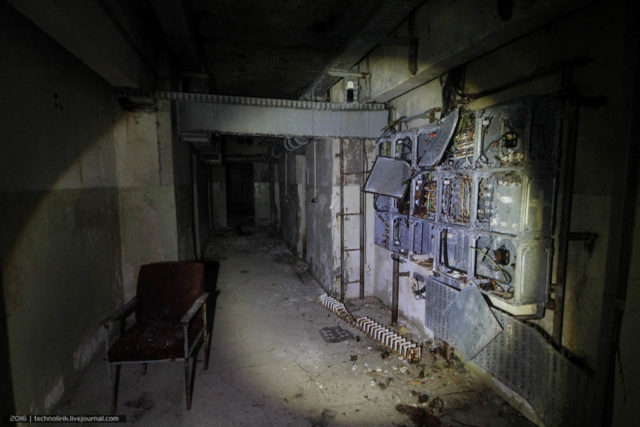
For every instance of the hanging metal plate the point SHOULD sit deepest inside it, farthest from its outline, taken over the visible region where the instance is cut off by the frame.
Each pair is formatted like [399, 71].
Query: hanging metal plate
[388, 177]
[471, 322]
[436, 146]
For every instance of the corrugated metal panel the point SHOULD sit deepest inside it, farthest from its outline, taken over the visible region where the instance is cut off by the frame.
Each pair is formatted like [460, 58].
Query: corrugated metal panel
[525, 361]
[274, 120]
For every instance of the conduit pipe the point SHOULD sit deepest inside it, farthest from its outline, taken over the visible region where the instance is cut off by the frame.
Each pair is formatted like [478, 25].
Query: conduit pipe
[395, 290]
[289, 144]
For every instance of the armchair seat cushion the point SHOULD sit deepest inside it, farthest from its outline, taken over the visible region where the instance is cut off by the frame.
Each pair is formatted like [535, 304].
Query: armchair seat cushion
[152, 340]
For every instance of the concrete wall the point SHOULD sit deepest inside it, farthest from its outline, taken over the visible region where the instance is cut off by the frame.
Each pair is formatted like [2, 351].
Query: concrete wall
[145, 191]
[183, 194]
[86, 196]
[597, 32]
[202, 194]
[60, 233]
[261, 194]
[628, 371]
[319, 211]
[219, 195]
[310, 208]
[289, 200]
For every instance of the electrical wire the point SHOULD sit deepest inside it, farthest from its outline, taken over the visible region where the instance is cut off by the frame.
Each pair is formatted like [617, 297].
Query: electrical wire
[507, 276]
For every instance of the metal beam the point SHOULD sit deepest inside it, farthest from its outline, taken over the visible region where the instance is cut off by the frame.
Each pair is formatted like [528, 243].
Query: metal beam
[275, 117]
[438, 58]
[390, 14]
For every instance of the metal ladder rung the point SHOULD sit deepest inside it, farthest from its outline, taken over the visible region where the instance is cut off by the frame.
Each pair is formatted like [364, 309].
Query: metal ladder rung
[352, 249]
[355, 281]
[348, 213]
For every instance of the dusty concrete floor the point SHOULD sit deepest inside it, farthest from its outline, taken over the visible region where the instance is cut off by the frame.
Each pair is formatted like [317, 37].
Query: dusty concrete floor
[271, 366]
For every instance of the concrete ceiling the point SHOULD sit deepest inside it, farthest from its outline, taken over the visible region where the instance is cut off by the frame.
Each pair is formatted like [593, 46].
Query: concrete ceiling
[254, 48]
[273, 49]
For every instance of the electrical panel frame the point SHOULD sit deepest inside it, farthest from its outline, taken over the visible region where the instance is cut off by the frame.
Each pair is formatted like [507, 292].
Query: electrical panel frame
[493, 189]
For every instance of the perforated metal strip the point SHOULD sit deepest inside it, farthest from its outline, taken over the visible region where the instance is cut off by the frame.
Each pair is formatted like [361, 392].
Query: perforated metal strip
[381, 334]
[522, 359]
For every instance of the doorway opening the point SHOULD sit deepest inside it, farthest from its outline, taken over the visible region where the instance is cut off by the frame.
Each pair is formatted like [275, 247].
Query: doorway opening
[240, 194]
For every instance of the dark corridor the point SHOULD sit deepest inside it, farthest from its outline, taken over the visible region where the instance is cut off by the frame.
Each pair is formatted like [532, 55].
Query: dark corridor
[240, 205]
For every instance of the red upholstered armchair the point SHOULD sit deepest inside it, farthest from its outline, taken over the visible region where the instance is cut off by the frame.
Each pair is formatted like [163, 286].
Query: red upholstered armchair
[171, 322]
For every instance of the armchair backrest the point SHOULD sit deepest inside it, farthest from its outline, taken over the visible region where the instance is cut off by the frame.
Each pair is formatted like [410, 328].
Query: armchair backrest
[166, 290]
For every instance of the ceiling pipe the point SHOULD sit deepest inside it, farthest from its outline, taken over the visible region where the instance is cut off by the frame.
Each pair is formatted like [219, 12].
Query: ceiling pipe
[289, 144]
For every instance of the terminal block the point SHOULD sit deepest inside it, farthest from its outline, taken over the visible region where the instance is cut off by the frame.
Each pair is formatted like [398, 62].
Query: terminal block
[425, 196]
[456, 198]
[461, 151]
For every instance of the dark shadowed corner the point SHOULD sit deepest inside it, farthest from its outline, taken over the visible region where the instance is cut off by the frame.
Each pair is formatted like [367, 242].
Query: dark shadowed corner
[8, 403]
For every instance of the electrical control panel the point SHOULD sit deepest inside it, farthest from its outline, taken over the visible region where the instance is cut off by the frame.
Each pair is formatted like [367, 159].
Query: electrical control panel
[401, 235]
[461, 151]
[480, 205]
[513, 269]
[403, 144]
[424, 238]
[514, 201]
[452, 257]
[381, 229]
[520, 133]
[425, 196]
[455, 197]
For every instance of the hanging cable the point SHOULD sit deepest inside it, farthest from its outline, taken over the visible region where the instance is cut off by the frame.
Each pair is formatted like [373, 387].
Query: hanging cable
[507, 276]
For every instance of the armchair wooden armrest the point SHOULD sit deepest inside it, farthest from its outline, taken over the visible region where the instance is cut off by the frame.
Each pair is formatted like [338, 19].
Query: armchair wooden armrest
[195, 307]
[122, 313]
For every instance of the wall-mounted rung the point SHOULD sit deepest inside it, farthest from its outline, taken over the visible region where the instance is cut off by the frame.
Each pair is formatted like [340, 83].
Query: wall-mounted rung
[348, 213]
[355, 281]
[352, 249]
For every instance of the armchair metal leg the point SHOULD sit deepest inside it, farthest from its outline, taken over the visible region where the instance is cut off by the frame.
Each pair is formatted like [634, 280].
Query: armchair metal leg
[114, 373]
[187, 382]
[205, 343]
[206, 336]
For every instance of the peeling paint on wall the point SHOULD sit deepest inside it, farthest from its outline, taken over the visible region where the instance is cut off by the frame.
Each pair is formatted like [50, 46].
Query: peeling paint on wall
[54, 394]
[85, 352]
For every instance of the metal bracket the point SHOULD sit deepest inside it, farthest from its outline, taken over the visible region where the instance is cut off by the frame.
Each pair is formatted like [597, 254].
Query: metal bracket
[347, 74]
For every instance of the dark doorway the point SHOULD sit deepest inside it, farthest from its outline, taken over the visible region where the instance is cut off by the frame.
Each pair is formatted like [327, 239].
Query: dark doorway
[240, 194]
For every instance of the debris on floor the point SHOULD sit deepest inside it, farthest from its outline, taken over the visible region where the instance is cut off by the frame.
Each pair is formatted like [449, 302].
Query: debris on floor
[445, 351]
[277, 369]
[419, 416]
[326, 417]
[335, 334]
[422, 398]
[384, 384]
